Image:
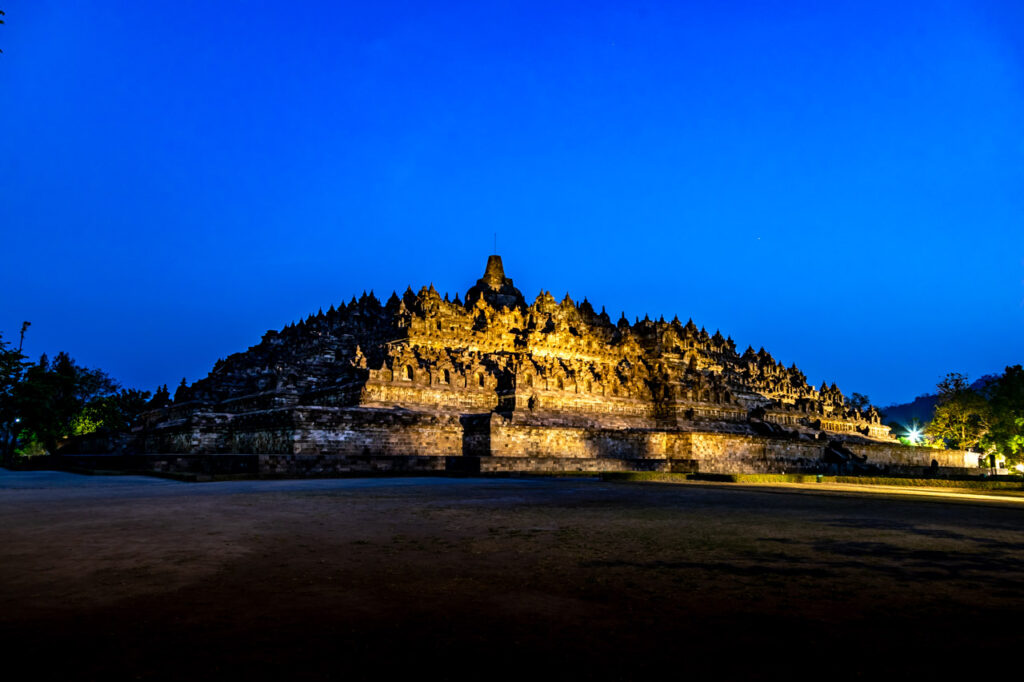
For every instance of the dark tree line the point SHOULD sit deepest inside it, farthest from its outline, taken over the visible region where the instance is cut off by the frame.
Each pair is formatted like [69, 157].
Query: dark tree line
[44, 402]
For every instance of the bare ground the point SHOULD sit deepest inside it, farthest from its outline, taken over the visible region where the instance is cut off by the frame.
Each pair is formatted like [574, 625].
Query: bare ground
[136, 578]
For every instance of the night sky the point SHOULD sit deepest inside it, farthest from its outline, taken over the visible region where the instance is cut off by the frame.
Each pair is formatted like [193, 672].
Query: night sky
[839, 182]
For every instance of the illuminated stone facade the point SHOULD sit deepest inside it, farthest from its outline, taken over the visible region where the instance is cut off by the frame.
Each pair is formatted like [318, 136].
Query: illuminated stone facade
[548, 385]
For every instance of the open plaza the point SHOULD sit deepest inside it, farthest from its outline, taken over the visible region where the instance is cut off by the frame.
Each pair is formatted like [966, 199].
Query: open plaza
[125, 577]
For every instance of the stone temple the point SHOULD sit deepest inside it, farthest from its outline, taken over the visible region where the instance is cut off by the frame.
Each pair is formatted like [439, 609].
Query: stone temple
[493, 383]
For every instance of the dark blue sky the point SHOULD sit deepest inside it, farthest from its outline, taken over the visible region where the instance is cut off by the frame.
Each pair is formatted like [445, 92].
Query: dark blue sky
[839, 182]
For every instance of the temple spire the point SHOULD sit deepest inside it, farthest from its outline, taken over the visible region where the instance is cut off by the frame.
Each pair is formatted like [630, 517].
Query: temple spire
[494, 287]
[494, 274]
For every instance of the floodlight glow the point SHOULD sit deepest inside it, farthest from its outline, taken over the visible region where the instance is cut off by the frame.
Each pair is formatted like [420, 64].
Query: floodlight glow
[914, 436]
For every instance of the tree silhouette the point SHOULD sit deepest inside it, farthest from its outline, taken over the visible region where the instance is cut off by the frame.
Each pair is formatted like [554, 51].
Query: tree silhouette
[961, 416]
[52, 396]
[1006, 404]
[13, 364]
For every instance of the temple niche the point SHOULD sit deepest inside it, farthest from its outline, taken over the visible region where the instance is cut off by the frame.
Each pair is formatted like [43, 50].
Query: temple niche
[551, 383]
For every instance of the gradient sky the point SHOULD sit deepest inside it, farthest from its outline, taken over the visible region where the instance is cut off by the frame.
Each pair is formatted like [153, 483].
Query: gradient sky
[839, 182]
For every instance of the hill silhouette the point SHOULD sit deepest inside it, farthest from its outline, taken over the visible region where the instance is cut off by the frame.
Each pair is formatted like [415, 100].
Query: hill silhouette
[922, 407]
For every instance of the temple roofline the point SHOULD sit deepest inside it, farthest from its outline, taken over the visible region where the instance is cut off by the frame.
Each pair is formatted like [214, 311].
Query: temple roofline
[495, 288]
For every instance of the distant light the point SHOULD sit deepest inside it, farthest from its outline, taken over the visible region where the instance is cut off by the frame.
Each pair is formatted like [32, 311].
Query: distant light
[914, 436]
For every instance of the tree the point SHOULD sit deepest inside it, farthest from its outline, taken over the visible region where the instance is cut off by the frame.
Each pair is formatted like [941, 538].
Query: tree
[13, 364]
[45, 402]
[859, 401]
[113, 412]
[1006, 406]
[961, 416]
[52, 398]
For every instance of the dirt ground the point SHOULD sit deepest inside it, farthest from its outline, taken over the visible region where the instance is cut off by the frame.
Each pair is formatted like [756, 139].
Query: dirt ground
[138, 578]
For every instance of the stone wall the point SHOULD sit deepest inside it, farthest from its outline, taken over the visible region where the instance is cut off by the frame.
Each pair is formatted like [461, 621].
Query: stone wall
[410, 394]
[728, 453]
[895, 454]
[314, 440]
[570, 465]
[572, 400]
[199, 433]
[339, 431]
[517, 440]
[330, 465]
[311, 430]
